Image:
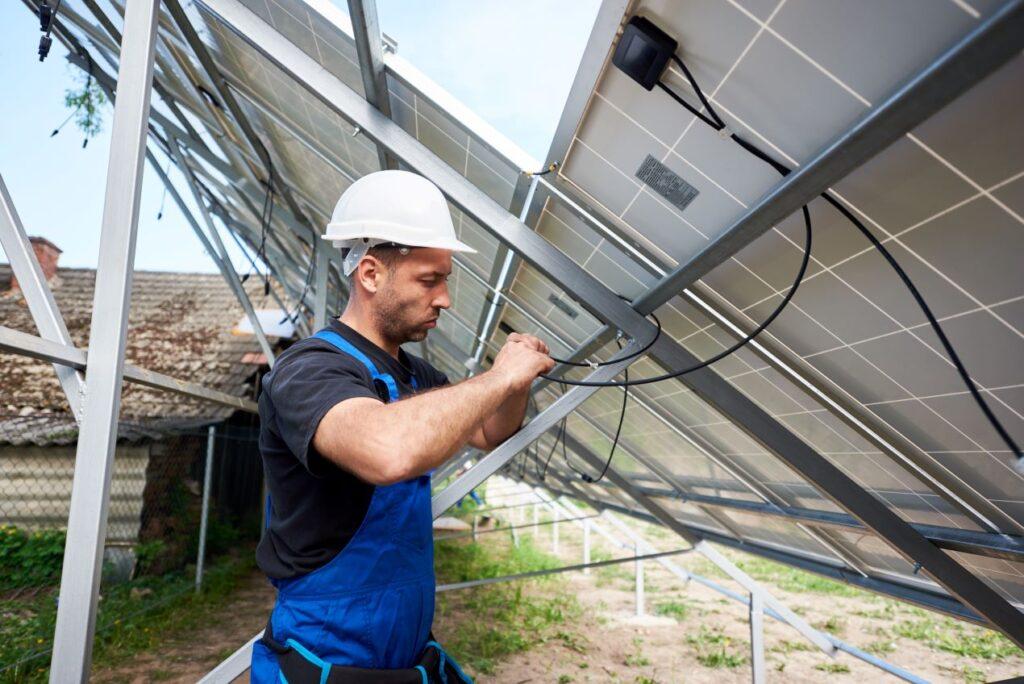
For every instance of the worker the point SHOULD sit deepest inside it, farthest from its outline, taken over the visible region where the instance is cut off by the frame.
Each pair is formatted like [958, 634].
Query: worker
[351, 425]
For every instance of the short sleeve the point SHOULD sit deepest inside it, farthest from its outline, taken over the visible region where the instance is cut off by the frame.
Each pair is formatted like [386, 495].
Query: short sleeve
[425, 371]
[304, 388]
[439, 377]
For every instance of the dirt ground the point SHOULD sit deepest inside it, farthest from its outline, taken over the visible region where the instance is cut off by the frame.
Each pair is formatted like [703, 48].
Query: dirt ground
[704, 637]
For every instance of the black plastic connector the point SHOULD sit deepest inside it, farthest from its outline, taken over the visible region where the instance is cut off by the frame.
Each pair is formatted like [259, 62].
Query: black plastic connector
[45, 17]
[643, 51]
[44, 47]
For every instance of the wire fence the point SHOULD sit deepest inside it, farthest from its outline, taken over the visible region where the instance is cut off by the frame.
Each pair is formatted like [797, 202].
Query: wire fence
[160, 533]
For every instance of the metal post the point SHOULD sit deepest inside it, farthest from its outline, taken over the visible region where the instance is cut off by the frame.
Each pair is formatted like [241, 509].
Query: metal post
[586, 546]
[366, 35]
[38, 296]
[87, 520]
[515, 534]
[639, 567]
[205, 515]
[536, 518]
[323, 265]
[541, 423]
[475, 520]
[554, 533]
[490, 317]
[757, 662]
[17, 342]
[218, 253]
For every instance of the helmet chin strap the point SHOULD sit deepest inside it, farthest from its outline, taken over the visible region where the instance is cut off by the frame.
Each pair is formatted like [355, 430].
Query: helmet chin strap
[351, 260]
[360, 249]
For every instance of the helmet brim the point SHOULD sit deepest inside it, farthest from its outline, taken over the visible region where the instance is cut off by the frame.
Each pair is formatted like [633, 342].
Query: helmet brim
[453, 245]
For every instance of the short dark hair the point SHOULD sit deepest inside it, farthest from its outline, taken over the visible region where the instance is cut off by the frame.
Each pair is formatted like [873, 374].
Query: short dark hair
[388, 253]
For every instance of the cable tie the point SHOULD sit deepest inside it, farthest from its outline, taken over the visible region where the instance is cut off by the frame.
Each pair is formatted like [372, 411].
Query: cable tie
[594, 365]
[724, 133]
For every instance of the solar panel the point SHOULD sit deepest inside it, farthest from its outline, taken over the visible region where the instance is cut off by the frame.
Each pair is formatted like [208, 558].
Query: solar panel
[791, 78]
[850, 367]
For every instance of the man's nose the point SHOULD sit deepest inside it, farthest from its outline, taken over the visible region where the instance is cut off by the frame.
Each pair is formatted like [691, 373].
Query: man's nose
[443, 301]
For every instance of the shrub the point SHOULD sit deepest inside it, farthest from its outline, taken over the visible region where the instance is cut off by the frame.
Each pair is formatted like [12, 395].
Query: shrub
[30, 559]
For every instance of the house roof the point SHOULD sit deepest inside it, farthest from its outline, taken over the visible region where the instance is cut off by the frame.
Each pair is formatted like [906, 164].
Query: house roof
[180, 324]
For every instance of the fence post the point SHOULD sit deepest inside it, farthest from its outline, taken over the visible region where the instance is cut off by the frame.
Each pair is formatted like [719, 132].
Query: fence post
[757, 662]
[554, 532]
[205, 515]
[639, 582]
[475, 518]
[536, 530]
[586, 545]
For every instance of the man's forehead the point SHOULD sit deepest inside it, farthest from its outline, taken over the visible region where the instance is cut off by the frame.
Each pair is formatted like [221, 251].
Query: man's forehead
[427, 261]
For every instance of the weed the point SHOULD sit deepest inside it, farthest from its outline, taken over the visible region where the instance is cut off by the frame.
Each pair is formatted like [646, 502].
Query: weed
[972, 675]
[792, 579]
[133, 617]
[953, 637]
[715, 649]
[881, 647]
[886, 612]
[833, 625]
[833, 668]
[787, 646]
[506, 620]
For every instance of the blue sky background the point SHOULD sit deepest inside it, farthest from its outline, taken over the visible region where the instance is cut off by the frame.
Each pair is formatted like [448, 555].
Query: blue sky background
[511, 62]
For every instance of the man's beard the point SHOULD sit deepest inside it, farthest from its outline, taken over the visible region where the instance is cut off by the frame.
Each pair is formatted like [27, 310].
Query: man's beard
[391, 316]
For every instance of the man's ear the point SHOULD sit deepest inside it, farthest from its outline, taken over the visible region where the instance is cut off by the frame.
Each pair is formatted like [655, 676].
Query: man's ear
[370, 271]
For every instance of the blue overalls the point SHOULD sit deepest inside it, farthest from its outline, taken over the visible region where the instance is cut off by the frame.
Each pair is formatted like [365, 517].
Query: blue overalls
[372, 605]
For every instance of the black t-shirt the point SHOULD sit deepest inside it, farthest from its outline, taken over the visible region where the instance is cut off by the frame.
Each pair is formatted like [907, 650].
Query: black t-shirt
[316, 506]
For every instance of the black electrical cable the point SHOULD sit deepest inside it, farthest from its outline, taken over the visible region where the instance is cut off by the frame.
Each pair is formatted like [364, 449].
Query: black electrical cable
[939, 332]
[265, 223]
[163, 195]
[725, 352]
[294, 316]
[551, 167]
[587, 477]
[559, 437]
[968, 381]
[46, 19]
[599, 364]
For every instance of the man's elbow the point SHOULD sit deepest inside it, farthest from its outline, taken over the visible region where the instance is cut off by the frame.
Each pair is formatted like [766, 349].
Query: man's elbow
[387, 474]
[389, 465]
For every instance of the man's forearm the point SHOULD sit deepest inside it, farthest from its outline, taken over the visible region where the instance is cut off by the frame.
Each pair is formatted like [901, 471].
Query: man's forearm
[409, 437]
[507, 419]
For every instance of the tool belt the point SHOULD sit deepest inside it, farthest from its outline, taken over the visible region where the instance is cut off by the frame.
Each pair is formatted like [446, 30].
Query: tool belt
[300, 666]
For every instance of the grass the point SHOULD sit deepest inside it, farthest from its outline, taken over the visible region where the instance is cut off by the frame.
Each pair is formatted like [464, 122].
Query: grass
[794, 580]
[881, 647]
[833, 625]
[833, 668]
[675, 609]
[953, 637]
[637, 658]
[133, 617]
[969, 674]
[886, 612]
[787, 646]
[716, 650]
[506, 618]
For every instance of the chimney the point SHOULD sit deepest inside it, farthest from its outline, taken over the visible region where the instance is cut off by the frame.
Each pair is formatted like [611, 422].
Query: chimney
[47, 254]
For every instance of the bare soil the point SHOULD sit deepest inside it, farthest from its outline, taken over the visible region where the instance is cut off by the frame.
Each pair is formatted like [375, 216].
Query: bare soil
[704, 637]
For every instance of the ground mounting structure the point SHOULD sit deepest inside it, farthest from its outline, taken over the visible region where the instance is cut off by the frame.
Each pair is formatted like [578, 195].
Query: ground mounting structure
[841, 441]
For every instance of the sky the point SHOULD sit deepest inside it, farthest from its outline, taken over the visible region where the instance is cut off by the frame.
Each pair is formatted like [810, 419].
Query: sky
[512, 63]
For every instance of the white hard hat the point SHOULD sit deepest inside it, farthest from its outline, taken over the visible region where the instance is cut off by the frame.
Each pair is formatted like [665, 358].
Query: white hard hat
[391, 206]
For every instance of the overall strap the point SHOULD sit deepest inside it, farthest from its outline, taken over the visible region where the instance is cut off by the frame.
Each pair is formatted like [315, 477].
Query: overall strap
[346, 347]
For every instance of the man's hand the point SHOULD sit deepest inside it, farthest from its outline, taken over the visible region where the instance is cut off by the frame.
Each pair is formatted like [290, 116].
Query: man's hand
[521, 360]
